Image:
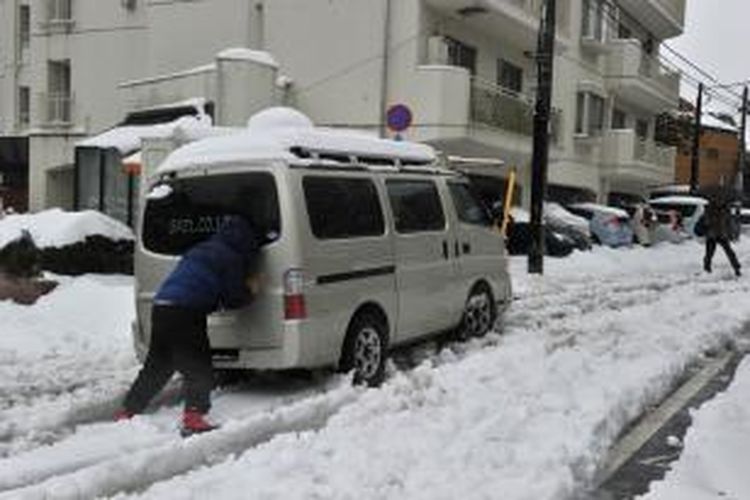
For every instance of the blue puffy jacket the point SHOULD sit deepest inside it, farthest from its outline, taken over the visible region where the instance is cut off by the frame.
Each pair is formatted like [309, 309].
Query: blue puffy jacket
[212, 274]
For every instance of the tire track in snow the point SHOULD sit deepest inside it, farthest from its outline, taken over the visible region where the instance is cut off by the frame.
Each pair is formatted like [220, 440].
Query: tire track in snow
[532, 310]
[175, 456]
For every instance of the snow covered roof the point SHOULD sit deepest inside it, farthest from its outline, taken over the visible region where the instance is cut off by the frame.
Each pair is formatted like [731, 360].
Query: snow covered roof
[710, 121]
[556, 212]
[56, 228]
[127, 139]
[243, 54]
[272, 133]
[605, 209]
[679, 200]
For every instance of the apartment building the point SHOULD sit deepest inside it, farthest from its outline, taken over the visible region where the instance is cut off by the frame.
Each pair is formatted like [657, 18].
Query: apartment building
[465, 69]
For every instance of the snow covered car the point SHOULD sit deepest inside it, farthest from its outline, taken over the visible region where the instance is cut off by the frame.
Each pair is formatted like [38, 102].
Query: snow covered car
[609, 226]
[556, 244]
[678, 215]
[572, 226]
[370, 244]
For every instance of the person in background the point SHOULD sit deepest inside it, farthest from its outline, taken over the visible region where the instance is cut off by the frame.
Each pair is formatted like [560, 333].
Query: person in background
[718, 229]
[214, 274]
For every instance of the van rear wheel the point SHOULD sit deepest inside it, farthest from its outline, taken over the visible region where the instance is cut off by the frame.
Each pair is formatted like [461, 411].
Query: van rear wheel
[479, 314]
[365, 350]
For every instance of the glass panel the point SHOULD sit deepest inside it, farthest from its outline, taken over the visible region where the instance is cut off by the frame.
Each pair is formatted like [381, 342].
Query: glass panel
[468, 207]
[115, 186]
[343, 207]
[416, 206]
[87, 163]
[183, 212]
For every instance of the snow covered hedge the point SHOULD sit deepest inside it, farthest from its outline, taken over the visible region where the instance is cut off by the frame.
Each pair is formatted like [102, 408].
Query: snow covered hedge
[69, 243]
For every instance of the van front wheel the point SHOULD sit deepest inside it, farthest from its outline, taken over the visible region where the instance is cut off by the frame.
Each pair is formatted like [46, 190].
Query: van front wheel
[365, 350]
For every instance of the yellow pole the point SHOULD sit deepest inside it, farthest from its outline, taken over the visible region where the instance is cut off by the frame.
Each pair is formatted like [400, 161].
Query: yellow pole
[508, 200]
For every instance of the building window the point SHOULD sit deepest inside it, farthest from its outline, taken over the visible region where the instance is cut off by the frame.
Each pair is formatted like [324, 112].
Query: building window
[596, 114]
[580, 112]
[59, 96]
[593, 19]
[59, 10]
[509, 76]
[712, 154]
[589, 114]
[460, 54]
[24, 26]
[619, 119]
[24, 104]
[641, 129]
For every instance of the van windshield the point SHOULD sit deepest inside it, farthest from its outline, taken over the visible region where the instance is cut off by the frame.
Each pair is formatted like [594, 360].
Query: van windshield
[182, 212]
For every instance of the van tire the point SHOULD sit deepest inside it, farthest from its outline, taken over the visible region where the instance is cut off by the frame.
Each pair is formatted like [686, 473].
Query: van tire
[365, 349]
[480, 313]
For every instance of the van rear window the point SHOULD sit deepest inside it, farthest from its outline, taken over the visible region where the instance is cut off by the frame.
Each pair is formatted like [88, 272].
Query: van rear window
[342, 207]
[182, 212]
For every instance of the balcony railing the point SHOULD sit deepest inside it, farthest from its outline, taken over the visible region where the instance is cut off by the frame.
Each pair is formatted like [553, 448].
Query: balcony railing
[648, 151]
[504, 109]
[624, 150]
[57, 109]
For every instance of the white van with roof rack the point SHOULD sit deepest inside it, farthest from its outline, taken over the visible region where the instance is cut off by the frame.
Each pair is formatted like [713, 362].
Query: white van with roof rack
[370, 245]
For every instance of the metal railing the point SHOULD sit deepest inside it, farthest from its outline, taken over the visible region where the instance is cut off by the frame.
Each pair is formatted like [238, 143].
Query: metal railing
[504, 109]
[648, 151]
[58, 108]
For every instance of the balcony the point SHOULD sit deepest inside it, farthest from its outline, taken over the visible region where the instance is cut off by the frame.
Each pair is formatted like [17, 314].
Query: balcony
[513, 20]
[630, 158]
[640, 79]
[664, 18]
[59, 17]
[57, 110]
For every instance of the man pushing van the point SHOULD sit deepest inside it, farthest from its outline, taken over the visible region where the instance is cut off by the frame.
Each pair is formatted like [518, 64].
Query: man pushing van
[211, 275]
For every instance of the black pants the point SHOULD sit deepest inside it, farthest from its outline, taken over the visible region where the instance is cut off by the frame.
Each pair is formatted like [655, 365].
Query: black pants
[711, 248]
[178, 343]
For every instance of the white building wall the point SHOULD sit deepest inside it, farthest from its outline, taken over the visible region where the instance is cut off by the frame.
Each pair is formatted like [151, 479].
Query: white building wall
[333, 51]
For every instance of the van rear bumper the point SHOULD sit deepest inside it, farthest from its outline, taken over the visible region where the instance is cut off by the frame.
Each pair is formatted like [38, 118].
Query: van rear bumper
[291, 353]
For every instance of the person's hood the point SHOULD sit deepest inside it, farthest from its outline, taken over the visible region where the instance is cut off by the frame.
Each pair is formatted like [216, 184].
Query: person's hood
[237, 233]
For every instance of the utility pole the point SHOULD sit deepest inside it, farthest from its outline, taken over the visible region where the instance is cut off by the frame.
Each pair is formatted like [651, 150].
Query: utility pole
[695, 163]
[741, 168]
[540, 156]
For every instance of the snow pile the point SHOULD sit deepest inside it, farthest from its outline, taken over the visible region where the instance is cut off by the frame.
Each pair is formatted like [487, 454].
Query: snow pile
[64, 360]
[57, 228]
[714, 461]
[127, 139]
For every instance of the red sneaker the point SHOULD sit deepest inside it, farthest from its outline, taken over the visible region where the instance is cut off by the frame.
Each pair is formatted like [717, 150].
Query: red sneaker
[194, 422]
[122, 414]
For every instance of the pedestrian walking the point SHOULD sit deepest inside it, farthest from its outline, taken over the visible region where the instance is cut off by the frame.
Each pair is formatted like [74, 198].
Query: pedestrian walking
[718, 230]
[211, 275]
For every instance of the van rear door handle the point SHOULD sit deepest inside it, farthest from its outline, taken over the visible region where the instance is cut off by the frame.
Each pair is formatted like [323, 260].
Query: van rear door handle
[445, 250]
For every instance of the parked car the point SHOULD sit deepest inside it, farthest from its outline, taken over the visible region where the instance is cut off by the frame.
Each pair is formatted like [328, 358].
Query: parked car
[576, 228]
[644, 222]
[609, 226]
[370, 245]
[556, 244]
[678, 215]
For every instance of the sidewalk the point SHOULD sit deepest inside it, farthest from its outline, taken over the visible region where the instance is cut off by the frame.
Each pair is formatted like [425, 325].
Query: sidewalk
[714, 460]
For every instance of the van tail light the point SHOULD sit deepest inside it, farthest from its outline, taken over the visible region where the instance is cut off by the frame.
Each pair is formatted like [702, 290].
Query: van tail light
[294, 296]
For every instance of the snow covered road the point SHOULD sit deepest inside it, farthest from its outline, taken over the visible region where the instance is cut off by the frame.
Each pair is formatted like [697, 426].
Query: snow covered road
[526, 415]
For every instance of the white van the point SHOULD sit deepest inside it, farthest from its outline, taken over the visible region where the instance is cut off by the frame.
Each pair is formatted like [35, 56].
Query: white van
[371, 245]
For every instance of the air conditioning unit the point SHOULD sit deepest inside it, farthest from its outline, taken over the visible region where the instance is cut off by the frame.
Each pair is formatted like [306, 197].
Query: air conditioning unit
[437, 50]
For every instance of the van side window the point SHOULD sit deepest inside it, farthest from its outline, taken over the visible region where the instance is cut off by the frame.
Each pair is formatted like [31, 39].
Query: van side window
[342, 207]
[416, 206]
[468, 207]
